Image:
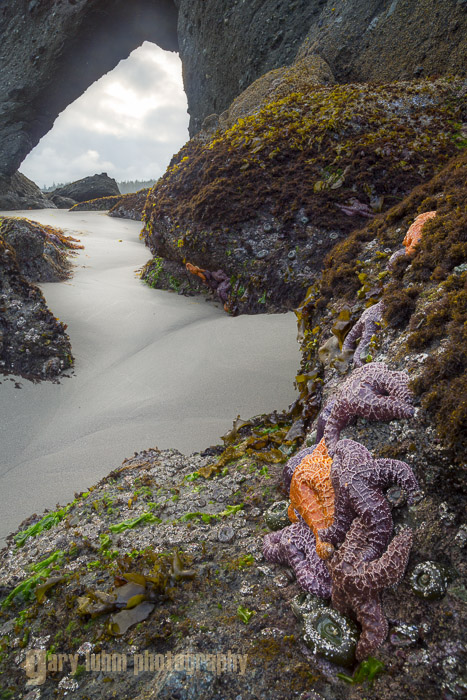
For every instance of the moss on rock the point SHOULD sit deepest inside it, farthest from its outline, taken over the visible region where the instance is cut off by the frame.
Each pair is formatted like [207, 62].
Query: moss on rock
[426, 295]
[130, 206]
[268, 197]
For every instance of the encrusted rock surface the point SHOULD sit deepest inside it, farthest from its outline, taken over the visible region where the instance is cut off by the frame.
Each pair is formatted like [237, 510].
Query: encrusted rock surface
[209, 508]
[33, 343]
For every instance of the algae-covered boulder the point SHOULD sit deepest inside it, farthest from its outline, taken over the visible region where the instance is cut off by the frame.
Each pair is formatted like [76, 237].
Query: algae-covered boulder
[33, 343]
[97, 204]
[264, 199]
[126, 206]
[41, 251]
[424, 299]
[130, 206]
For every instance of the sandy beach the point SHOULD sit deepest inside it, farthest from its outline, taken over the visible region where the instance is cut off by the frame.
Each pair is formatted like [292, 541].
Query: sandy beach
[151, 368]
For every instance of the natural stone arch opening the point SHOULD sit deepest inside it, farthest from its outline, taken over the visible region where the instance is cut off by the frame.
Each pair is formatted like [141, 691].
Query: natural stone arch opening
[128, 123]
[65, 48]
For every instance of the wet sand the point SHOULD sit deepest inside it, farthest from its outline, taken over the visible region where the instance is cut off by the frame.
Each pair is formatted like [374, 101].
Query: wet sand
[151, 368]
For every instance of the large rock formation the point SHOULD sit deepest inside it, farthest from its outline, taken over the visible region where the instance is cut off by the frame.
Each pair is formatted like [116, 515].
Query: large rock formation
[18, 192]
[226, 45]
[267, 196]
[92, 187]
[52, 51]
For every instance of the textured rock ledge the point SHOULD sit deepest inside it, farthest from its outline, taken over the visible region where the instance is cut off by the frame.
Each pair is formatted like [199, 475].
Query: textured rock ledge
[33, 343]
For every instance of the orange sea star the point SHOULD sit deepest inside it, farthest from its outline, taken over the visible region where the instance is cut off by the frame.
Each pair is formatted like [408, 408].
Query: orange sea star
[312, 494]
[218, 281]
[196, 271]
[414, 234]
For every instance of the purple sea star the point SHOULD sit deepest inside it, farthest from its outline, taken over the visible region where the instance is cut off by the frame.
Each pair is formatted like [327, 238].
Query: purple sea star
[293, 463]
[398, 254]
[364, 329]
[358, 579]
[218, 281]
[358, 481]
[372, 391]
[295, 546]
[323, 418]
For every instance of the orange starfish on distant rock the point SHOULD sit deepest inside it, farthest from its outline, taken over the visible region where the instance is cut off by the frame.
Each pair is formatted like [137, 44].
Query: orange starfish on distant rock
[312, 495]
[196, 271]
[414, 234]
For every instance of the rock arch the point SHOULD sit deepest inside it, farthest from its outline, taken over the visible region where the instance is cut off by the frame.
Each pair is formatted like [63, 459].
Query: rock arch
[53, 50]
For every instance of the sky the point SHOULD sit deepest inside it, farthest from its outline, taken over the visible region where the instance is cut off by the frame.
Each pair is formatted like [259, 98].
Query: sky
[127, 124]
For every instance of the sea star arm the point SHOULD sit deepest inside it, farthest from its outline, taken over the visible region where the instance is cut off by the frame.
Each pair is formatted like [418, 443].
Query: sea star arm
[364, 329]
[295, 546]
[343, 517]
[357, 583]
[394, 471]
[375, 514]
[391, 382]
[272, 550]
[389, 569]
[323, 418]
[374, 628]
[310, 571]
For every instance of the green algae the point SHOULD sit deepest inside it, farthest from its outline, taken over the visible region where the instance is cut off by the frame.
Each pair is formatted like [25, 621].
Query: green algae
[366, 671]
[244, 614]
[41, 571]
[208, 517]
[131, 523]
[46, 523]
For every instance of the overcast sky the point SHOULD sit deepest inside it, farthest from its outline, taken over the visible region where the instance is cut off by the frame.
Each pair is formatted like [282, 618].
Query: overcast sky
[127, 124]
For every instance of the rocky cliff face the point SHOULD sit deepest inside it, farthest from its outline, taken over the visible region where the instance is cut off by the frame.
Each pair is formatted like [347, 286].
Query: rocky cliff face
[53, 50]
[226, 45]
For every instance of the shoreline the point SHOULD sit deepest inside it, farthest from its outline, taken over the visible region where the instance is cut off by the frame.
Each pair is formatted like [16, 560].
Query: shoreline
[178, 383]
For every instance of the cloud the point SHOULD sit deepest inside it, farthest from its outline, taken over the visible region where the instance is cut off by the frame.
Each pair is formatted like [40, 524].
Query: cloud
[128, 124]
